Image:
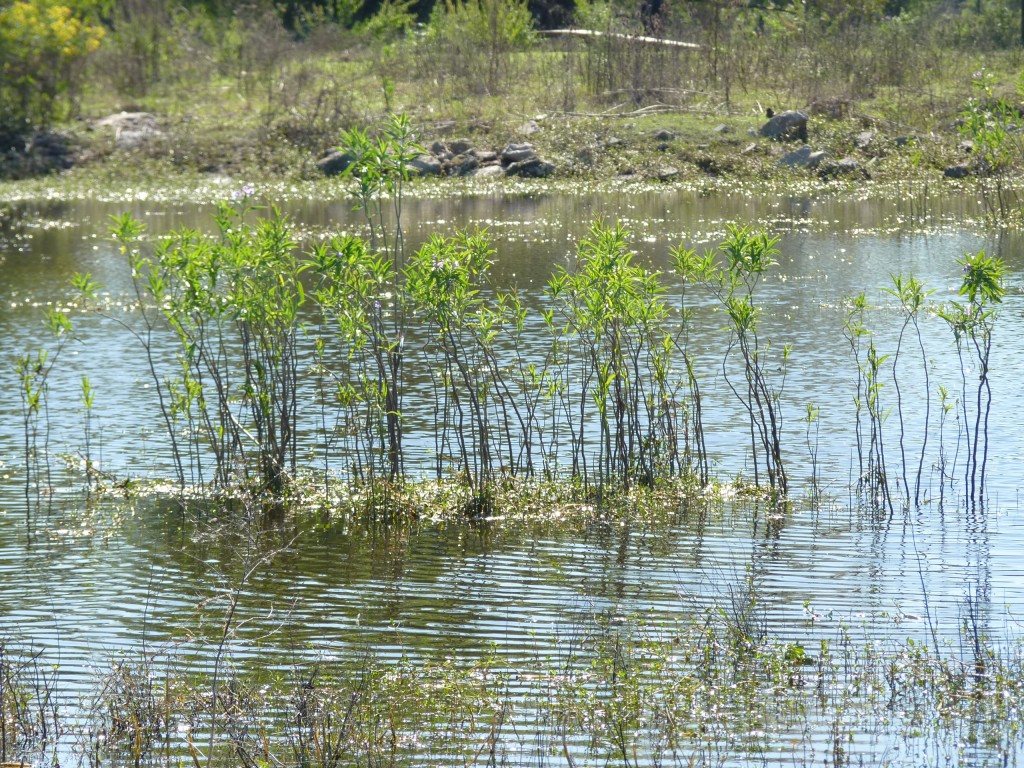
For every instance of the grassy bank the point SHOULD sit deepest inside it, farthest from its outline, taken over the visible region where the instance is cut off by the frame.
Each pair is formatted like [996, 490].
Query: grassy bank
[899, 99]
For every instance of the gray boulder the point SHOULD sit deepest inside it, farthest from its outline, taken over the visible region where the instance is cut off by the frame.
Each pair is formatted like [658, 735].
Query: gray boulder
[846, 167]
[664, 135]
[532, 167]
[517, 153]
[864, 139]
[131, 129]
[786, 126]
[805, 157]
[462, 165]
[424, 165]
[459, 146]
[957, 172]
[488, 172]
[335, 164]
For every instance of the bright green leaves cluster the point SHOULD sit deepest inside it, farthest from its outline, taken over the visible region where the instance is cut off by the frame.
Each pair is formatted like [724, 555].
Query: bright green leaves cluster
[233, 300]
[351, 280]
[982, 286]
[731, 273]
[607, 292]
[357, 297]
[614, 316]
[380, 165]
[991, 122]
[447, 284]
[982, 283]
[909, 292]
[444, 278]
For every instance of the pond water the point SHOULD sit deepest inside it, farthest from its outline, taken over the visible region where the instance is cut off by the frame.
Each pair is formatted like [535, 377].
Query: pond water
[84, 585]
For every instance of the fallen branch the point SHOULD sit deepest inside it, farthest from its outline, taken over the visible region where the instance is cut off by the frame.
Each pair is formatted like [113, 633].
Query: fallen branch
[621, 36]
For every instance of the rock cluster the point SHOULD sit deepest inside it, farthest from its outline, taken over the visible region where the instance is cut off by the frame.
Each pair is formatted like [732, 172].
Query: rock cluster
[131, 129]
[458, 157]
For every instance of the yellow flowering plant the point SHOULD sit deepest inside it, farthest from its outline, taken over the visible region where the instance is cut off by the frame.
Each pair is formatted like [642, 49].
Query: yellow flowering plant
[42, 44]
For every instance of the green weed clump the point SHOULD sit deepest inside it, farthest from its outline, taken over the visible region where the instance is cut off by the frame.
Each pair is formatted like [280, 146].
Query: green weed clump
[261, 330]
[353, 341]
[232, 302]
[29, 715]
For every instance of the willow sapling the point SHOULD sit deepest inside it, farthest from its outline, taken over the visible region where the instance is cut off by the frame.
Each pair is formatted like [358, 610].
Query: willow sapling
[731, 274]
[910, 293]
[33, 370]
[614, 312]
[973, 323]
[872, 477]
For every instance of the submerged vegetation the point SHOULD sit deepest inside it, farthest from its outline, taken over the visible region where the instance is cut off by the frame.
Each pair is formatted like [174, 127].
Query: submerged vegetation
[713, 687]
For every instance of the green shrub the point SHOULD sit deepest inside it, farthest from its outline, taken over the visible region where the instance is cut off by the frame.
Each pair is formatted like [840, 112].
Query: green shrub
[232, 301]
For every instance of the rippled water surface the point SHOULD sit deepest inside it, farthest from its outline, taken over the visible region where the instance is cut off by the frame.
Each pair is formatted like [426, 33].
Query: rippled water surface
[89, 584]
